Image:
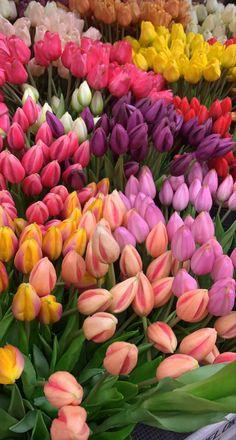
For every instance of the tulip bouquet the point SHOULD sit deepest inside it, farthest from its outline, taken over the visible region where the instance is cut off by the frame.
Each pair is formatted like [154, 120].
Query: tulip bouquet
[193, 67]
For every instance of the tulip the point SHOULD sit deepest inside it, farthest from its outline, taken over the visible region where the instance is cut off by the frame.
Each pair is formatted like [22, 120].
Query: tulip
[70, 424]
[124, 237]
[123, 294]
[203, 259]
[95, 205]
[61, 191]
[44, 134]
[3, 278]
[195, 173]
[15, 137]
[194, 189]
[93, 301]
[97, 103]
[121, 358]
[32, 160]
[199, 343]
[162, 290]
[132, 186]
[98, 142]
[52, 243]
[12, 364]
[114, 210]
[21, 119]
[43, 277]
[166, 193]
[160, 267]
[176, 365]
[30, 109]
[11, 167]
[153, 215]
[62, 389]
[203, 200]
[137, 226]
[130, 261]
[222, 268]
[222, 297]
[76, 241]
[26, 303]
[217, 248]
[233, 257]
[181, 198]
[99, 327]
[50, 174]
[55, 125]
[176, 181]
[84, 94]
[162, 337]
[32, 185]
[104, 245]
[37, 212]
[157, 240]
[70, 203]
[67, 227]
[225, 189]
[146, 182]
[143, 301]
[31, 231]
[141, 203]
[28, 254]
[211, 180]
[50, 310]
[119, 140]
[73, 268]
[174, 223]
[192, 305]
[226, 326]
[203, 228]
[225, 357]
[93, 265]
[183, 282]
[8, 244]
[182, 244]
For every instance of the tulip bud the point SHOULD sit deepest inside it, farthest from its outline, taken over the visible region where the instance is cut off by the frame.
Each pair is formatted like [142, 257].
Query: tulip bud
[104, 245]
[94, 300]
[183, 282]
[130, 261]
[226, 326]
[79, 127]
[15, 137]
[63, 389]
[176, 365]
[153, 215]
[143, 301]
[166, 193]
[225, 357]
[199, 343]
[233, 257]
[162, 337]
[29, 91]
[21, 119]
[8, 244]
[3, 278]
[174, 223]
[37, 212]
[97, 103]
[182, 244]
[203, 200]
[28, 254]
[67, 227]
[162, 290]
[44, 134]
[93, 265]
[225, 189]
[50, 310]
[11, 167]
[192, 305]
[76, 241]
[31, 231]
[26, 303]
[73, 268]
[203, 259]
[132, 186]
[195, 173]
[99, 327]
[203, 228]
[61, 191]
[121, 358]
[222, 297]
[12, 364]
[194, 189]
[146, 182]
[52, 243]
[123, 294]
[113, 210]
[84, 94]
[160, 267]
[157, 240]
[222, 268]
[211, 180]
[181, 197]
[124, 237]
[70, 423]
[43, 277]
[137, 226]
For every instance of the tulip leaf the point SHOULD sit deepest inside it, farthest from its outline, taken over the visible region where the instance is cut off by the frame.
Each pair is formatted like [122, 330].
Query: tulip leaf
[227, 240]
[5, 323]
[61, 108]
[28, 378]
[71, 326]
[6, 422]
[109, 168]
[118, 174]
[219, 228]
[42, 403]
[40, 362]
[71, 356]
[127, 389]
[26, 423]
[40, 430]
[54, 354]
[16, 407]
[88, 374]
[4, 401]
[122, 434]
[105, 396]
[199, 374]
[146, 371]
[22, 343]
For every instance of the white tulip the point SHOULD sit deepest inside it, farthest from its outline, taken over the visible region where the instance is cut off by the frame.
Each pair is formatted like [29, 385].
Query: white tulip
[211, 5]
[194, 18]
[5, 8]
[97, 103]
[80, 129]
[220, 8]
[229, 14]
[13, 13]
[67, 122]
[42, 115]
[207, 35]
[75, 101]
[201, 13]
[219, 31]
[84, 94]
[209, 23]
[232, 27]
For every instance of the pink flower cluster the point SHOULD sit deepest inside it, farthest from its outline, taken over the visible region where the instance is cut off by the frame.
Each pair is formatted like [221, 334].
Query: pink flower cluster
[14, 55]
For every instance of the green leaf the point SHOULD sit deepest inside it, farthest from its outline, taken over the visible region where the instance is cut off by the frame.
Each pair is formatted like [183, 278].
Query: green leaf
[16, 407]
[118, 173]
[22, 343]
[54, 355]
[40, 362]
[71, 326]
[26, 423]
[219, 228]
[42, 403]
[71, 356]
[228, 237]
[122, 434]
[146, 371]
[28, 378]
[5, 323]
[88, 374]
[6, 422]
[104, 396]
[109, 168]
[61, 108]
[199, 374]
[127, 389]
[4, 401]
[40, 431]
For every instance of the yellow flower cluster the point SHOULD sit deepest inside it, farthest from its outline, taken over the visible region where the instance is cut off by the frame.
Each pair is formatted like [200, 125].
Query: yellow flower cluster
[176, 54]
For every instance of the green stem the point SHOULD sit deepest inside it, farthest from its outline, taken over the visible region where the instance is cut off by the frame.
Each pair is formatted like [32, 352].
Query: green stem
[96, 387]
[225, 216]
[40, 383]
[69, 312]
[174, 322]
[145, 326]
[68, 90]
[126, 324]
[111, 277]
[27, 330]
[148, 382]
[31, 77]
[218, 210]
[50, 84]
[100, 282]
[98, 166]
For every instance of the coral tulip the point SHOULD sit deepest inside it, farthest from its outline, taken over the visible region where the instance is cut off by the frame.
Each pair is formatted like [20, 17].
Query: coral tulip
[94, 300]
[99, 327]
[70, 423]
[28, 254]
[130, 261]
[160, 267]
[50, 310]
[162, 290]
[162, 337]
[176, 365]
[43, 277]
[226, 326]
[76, 241]
[104, 246]
[199, 343]
[123, 294]
[63, 389]
[157, 240]
[121, 358]
[73, 268]
[12, 364]
[192, 305]
[143, 301]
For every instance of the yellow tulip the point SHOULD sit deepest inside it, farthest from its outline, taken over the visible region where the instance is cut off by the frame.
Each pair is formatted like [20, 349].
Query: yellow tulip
[177, 47]
[50, 310]
[76, 215]
[177, 32]
[197, 43]
[11, 365]
[164, 31]
[71, 202]
[77, 242]
[228, 58]
[193, 73]
[160, 62]
[26, 303]
[52, 242]
[160, 43]
[212, 71]
[171, 72]
[8, 243]
[147, 34]
[140, 61]
[149, 54]
[183, 63]
[28, 254]
[231, 74]
[134, 43]
[199, 57]
[215, 51]
[190, 37]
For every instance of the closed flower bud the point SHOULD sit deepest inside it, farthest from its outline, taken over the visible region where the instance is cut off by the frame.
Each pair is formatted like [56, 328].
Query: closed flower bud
[99, 327]
[26, 303]
[166, 193]
[225, 357]
[153, 215]
[84, 94]
[43, 277]
[183, 282]
[71, 202]
[76, 241]
[137, 226]
[53, 203]
[52, 243]
[50, 174]
[37, 212]
[121, 358]
[203, 228]
[181, 197]
[15, 137]
[192, 305]
[124, 237]
[94, 300]
[104, 245]
[123, 294]
[62, 389]
[130, 261]
[211, 180]
[44, 134]
[176, 365]
[11, 167]
[79, 127]
[203, 200]
[162, 290]
[182, 244]
[28, 254]
[32, 160]
[160, 267]
[73, 268]
[199, 343]
[67, 227]
[21, 119]
[3, 278]
[194, 189]
[222, 297]
[174, 223]
[222, 268]
[114, 210]
[61, 191]
[157, 240]
[203, 259]
[143, 301]
[12, 364]
[88, 222]
[93, 264]
[50, 310]
[225, 189]
[226, 326]
[162, 337]
[146, 182]
[97, 103]
[70, 423]
[8, 244]
[233, 257]
[31, 231]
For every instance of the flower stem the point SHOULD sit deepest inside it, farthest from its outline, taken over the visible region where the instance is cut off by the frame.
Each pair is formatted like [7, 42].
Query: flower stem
[126, 324]
[225, 216]
[145, 383]
[69, 312]
[145, 326]
[50, 84]
[96, 387]
[68, 90]
[27, 331]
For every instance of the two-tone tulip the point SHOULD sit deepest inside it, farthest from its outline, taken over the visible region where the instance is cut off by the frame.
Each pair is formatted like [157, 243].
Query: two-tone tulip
[104, 246]
[176, 365]
[73, 268]
[123, 294]
[43, 277]
[26, 303]
[130, 261]
[50, 310]
[62, 389]
[192, 305]
[99, 327]
[121, 358]
[12, 364]
[52, 243]
[93, 301]
[162, 337]
[226, 326]
[199, 343]
[28, 254]
[157, 240]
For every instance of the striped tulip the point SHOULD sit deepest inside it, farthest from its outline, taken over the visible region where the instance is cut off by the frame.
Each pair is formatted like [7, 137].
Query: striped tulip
[162, 290]
[123, 294]
[43, 277]
[199, 343]
[28, 254]
[157, 240]
[130, 261]
[26, 303]
[12, 364]
[162, 337]
[160, 267]
[50, 310]
[99, 327]
[143, 301]
[192, 305]
[94, 300]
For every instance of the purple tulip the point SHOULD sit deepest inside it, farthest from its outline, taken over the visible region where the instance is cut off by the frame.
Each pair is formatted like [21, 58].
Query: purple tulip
[55, 124]
[141, 203]
[183, 282]
[195, 172]
[203, 259]
[104, 123]
[211, 179]
[188, 221]
[224, 146]
[132, 186]
[203, 200]
[122, 115]
[98, 142]
[119, 140]
[143, 105]
[225, 189]
[188, 126]
[88, 119]
[137, 226]
[153, 215]
[175, 222]
[183, 244]
[194, 190]
[177, 123]
[138, 136]
[155, 112]
[179, 166]
[166, 193]
[121, 101]
[203, 228]
[163, 140]
[222, 268]
[233, 257]
[124, 237]
[196, 135]
[222, 297]
[181, 198]
[140, 154]
[208, 126]
[207, 147]
[135, 119]
[130, 168]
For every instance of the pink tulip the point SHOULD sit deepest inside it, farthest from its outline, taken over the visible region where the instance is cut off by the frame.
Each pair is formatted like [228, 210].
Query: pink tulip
[21, 119]
[176, 365]
[199, 343]
[43, 277]
[203, 200]
[132, 187]
[160, 267]
[93, 301]
[181, 198]
[203, 259]
[60, 149]
[166, 193]
[137, 226]
[203, 228]
[124, 237]
[222, 297]
[225, 357]
[233, 257]
[222, 268]
[70, 424]
[226, 326]
[153, 215]
[61, 191]
[211, 180]
[162, 290]
[104, 245]
[15, 137]
[143, 301]
[32, 185]
[183, 282]
[73, 268]
[157, 240]
[182, 244]
[44, 134]
[82, 154]
[146, 182]
[11, 167]
[93, 265]
[225, 189]
[62, 389]
[130, 261]
[176, 181]
[37, 212]
[31, 110]
[121, 358]
[188, 221]
[192, 305]
[32, 160]
[195, 173]
[123, 294]
[194, 189]
[50, 174]
[99, 327]
[113, 210]
[174, 223]
[162, 337]
[141, 203]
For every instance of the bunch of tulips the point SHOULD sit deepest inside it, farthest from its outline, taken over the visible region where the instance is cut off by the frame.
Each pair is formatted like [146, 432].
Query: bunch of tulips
[117, 288]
